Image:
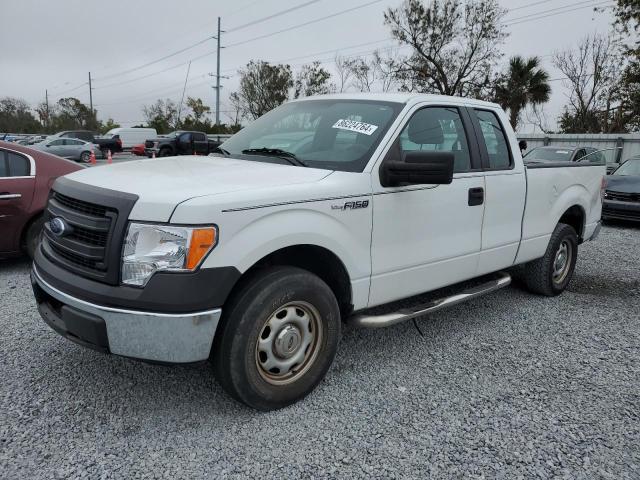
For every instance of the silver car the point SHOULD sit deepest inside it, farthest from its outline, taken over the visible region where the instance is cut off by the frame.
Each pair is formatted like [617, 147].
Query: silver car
[71, 148]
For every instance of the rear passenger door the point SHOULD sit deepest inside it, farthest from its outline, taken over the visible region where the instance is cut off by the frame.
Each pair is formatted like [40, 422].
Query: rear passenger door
[506, 187]
[17, 184]
[200, 143]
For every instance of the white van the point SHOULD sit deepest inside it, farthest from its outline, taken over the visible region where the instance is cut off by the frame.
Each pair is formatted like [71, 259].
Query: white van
[132, 136]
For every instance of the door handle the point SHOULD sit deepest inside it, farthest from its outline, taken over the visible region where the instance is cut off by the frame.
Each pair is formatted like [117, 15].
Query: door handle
[9, 196]
[476, 196]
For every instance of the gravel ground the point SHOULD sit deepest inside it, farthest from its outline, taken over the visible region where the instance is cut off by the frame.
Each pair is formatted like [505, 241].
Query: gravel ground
[508, 386]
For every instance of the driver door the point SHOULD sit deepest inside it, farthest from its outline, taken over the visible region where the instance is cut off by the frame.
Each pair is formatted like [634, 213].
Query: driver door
[428, 236]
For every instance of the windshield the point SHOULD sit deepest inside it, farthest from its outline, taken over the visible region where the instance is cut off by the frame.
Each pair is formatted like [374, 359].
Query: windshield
[550, 154]
[332, 134]
[630, 167]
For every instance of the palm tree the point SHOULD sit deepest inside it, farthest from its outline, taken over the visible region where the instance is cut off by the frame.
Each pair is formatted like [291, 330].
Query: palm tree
[525, 83]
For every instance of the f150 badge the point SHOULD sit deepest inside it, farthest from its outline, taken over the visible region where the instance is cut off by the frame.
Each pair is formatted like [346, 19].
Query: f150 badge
[351, 205]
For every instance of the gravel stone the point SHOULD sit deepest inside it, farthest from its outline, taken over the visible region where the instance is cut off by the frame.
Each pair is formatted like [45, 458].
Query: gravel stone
[508, 386]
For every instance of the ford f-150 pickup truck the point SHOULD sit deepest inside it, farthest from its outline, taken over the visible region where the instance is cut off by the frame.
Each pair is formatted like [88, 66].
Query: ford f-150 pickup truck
[180, 143]
[366, 209]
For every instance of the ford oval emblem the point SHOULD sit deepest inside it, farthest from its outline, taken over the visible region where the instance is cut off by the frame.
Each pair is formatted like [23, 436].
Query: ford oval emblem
[58, 226]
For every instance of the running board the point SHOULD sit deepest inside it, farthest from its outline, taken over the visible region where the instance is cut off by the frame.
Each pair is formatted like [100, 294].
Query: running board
[387, 319]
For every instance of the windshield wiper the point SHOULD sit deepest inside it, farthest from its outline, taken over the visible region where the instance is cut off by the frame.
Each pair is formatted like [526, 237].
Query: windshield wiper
[276, 152]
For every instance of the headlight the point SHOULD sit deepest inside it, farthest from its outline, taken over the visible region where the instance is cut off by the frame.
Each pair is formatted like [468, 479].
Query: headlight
[152, 248]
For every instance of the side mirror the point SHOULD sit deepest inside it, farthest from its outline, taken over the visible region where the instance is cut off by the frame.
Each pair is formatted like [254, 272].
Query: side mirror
[523, 145]
[418, 168]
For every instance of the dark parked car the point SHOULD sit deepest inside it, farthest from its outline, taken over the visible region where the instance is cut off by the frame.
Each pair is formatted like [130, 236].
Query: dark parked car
[622, 194]
[26, 175]
[181, 143]
[105, 144]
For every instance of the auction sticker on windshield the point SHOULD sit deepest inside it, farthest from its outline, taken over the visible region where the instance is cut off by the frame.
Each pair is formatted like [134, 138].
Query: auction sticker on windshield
[354, 126]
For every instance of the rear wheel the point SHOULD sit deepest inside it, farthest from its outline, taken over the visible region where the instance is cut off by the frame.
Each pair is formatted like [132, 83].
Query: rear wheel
[278, 338]
[85, 157]
[551, 274]
[165, 152]
[33, 236]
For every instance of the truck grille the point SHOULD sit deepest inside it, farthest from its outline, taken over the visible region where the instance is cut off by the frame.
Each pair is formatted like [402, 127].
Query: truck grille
[148, 144]
[96, 220]
[623, 197]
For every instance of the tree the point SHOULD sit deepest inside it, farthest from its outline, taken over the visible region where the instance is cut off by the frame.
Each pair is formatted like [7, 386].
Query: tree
[71, 114]
[592, 74]
[312, 79]
[455, 46]
[263, 87]
[162, 115]
[524, 84]
[110, 124]
[344, 72]
[16, 116]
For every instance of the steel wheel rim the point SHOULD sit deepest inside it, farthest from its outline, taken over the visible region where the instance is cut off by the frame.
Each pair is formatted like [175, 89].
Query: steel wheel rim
[562, 262]
[288, 343]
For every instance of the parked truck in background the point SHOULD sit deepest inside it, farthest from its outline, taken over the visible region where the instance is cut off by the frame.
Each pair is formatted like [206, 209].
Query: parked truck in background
[180, 143]
[331, 209]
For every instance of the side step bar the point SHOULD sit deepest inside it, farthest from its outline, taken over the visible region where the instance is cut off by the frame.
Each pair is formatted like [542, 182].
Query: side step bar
[387, 319]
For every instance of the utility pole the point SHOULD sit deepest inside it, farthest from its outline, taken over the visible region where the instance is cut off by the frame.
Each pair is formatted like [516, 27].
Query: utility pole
[46, 102]
[90, 94]
[218, 77]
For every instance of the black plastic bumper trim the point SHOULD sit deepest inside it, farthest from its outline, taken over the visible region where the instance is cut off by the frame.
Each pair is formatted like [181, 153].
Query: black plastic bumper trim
[203, 289]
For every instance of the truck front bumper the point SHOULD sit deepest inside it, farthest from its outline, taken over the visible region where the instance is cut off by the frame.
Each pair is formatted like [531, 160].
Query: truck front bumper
[149, 152]
[160, 337]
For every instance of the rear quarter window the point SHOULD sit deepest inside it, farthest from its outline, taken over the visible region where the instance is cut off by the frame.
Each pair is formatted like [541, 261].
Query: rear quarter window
[495, 140]
[19, 165]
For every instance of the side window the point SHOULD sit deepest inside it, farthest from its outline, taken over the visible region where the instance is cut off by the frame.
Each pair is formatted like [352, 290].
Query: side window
[18, 165]
[439, 129]
[495, 140]
[198, 137]
[185, 137]
[56, 143]
[4, 169]
[74, 142]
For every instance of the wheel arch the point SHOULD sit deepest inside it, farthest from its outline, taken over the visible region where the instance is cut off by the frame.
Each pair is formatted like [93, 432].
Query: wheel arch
[315, 259]
[25, 227]
[575, 216]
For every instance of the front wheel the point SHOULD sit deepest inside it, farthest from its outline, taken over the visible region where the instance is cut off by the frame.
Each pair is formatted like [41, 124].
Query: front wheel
[277, 339]
[551, 274]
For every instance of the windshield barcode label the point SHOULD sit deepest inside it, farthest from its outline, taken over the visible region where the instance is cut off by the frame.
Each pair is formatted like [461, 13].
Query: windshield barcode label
[359, 127]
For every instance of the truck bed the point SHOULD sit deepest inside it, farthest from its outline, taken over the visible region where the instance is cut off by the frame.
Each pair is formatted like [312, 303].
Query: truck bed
[552, 188]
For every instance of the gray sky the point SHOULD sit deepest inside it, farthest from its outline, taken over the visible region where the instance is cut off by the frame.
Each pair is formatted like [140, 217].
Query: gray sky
[54, 44]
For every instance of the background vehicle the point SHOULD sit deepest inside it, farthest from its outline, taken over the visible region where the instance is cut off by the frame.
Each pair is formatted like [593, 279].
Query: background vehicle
[622, 194]
[26, 175]
[340, 207]
[104, 144]
[71, 148]
[132, 136]
[562, 154]
[138, 150]
[181, 143]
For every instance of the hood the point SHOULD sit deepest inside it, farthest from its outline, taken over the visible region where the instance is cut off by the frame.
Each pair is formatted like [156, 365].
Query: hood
[623, 183]
[163, 183]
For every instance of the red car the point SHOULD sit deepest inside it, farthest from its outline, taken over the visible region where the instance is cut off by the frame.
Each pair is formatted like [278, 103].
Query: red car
[138, 150]
[26, 175]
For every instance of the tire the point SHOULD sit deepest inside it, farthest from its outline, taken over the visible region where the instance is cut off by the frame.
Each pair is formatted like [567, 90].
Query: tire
[550, 275]
[104, 152]
[165, 152]
[33, 235]
[259, 352]
[85, 157]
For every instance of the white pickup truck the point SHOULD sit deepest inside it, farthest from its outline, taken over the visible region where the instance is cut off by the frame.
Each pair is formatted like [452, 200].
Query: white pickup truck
[326, 210]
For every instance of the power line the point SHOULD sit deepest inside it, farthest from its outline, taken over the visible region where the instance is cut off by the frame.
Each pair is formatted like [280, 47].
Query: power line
[530, 5]
[540, 15]
[310, 22]
[124, 72]
[269, 17]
